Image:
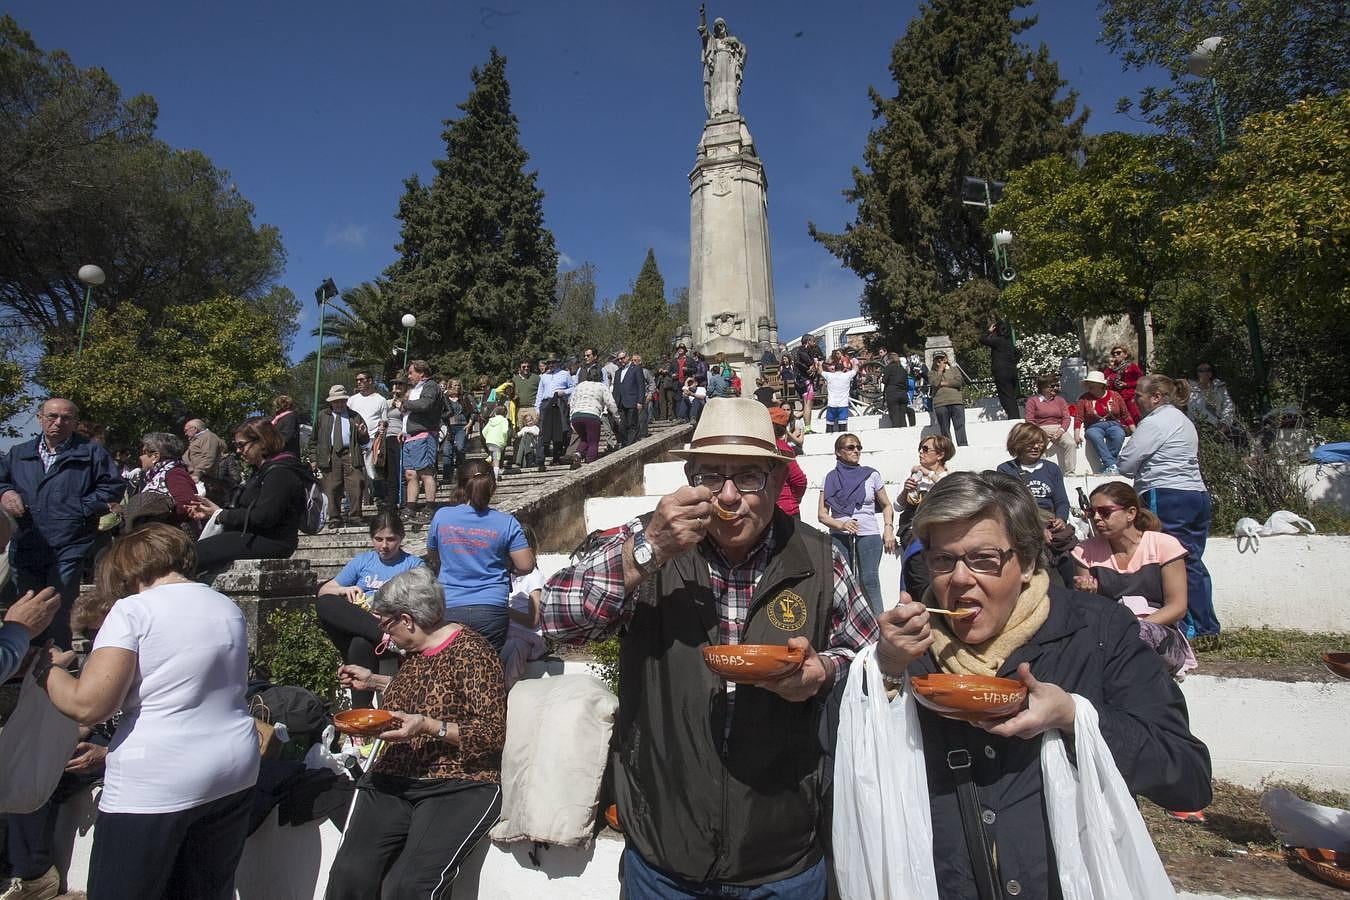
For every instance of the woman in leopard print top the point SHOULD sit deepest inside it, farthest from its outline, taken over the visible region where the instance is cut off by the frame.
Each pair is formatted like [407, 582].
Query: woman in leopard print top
[436, 788]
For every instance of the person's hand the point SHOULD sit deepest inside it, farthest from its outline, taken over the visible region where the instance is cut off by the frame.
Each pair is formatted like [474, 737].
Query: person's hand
[410, 725]
[911, 484]
[1085, 583]
[849, 525]
[888, 538]
[1048, 706]
[807, 681]
[1129, 429]
[355, 595]
[13, 504]
[87, 757]
[680, 522]
[905, 635]
[34, 611]
[202, 509]
[357, 678]
[1078, 438]
[48, 658]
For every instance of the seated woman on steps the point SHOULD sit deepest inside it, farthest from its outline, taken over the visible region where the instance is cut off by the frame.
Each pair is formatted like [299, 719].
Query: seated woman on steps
[343, 604]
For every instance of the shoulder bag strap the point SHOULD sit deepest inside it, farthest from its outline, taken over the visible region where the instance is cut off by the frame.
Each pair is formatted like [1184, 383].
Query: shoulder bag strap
[978, 845]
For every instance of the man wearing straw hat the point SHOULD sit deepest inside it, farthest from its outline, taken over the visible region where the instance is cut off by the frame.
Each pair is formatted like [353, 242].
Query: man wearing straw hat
[719, 785]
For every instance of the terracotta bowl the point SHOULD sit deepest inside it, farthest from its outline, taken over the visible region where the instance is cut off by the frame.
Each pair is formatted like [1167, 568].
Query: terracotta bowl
[1326, 865]
[364, 722]
[751, 663]
[970, 698]
[612, 817]
[1337, 662]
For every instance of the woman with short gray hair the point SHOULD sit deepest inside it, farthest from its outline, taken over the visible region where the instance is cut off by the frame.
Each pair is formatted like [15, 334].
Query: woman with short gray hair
[166, 489]
[436, 789]
[982, 537]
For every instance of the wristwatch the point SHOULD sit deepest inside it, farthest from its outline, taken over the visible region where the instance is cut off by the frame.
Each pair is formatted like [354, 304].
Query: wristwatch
[643, 554]
[440, 732]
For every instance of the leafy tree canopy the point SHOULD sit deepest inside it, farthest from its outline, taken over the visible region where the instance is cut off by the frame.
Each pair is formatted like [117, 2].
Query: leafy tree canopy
[84, 180]
[477, 266]
[1278, 212]
[1273, 53]
[970, 100]
[1091, 240]
[216, 360]
[646, 315]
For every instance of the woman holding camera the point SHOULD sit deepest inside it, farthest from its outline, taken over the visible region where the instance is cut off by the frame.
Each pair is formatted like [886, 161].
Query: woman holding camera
[949, 406]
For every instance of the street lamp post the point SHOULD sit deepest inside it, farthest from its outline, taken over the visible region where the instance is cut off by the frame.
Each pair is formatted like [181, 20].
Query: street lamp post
[1002, 239]
[323, 293]
[91, 275]
[409, 320]
[1200, 63]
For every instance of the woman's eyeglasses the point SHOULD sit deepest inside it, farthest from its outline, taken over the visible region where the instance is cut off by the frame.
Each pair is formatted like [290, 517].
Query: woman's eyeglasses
[850, 447]
[240, 445]
[981, 562]
[1101, 512]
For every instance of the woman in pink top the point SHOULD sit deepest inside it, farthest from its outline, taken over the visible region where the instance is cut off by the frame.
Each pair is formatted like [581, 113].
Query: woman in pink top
[1054, 415]
[1133, 562]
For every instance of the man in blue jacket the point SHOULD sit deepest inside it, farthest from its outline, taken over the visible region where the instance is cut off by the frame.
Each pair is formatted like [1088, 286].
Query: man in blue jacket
[56, 487]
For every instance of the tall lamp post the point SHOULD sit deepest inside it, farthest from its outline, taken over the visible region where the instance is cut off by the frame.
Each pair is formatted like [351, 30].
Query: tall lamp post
[323, 293]
[1200, 63]
[92, 276]
[409, 320]
[1002, 239]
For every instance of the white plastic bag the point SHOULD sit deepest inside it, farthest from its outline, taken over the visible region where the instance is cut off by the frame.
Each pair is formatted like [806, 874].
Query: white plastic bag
[883, 827]
[212, 527]
[35, 745]
[1284, 522]
[1248, 534]
[1299, 823]
[1102, 849]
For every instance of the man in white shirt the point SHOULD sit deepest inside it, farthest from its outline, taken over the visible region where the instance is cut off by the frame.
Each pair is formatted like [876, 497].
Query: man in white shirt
[373, 408]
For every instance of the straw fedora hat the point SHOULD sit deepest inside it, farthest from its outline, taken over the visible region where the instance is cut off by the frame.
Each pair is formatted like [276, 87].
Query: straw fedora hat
[733, 426]
[337, 392]
[1095, 377]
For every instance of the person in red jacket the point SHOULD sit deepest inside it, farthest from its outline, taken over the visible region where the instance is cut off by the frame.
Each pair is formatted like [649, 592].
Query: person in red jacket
[794, 487]
[1104, 418]
[1122, 374]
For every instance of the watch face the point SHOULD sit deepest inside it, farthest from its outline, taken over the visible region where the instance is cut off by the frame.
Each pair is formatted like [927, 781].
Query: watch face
[642, 554]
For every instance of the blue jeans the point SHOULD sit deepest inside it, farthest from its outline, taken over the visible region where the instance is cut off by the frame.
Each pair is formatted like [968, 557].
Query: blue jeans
[865, 563]
[1107, 436]
[1185, 516]
[690, 408]
[452, 448]
[642, 882]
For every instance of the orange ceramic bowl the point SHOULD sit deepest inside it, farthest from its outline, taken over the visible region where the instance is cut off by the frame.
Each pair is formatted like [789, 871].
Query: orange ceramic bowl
[970, 698]
[1327, 865]
[1337, 662]
[364, 722]
[612, 817]
[751, 663]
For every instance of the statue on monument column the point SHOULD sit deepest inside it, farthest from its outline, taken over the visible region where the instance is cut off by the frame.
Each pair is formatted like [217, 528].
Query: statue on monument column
[723, 62]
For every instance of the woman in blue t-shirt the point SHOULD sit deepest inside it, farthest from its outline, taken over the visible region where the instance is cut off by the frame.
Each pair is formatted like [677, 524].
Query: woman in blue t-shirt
[343, 602]
[475, 549]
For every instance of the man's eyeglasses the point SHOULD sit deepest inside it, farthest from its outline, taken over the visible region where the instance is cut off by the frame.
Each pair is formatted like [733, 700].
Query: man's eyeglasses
[58, 417]
[981, 562]
[1101, 512]
[747, 482]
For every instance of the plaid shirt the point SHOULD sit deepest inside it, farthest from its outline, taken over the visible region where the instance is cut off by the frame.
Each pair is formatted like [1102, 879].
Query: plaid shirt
[49, 456]
[586, 602]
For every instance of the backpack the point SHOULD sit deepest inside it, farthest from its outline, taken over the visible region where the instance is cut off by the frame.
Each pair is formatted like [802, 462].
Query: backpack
[316, 509]
[302, 712]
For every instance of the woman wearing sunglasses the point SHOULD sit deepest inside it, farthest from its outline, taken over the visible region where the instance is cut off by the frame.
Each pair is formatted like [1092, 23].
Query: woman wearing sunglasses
[264, 520]
[850, 499]
[983, 544]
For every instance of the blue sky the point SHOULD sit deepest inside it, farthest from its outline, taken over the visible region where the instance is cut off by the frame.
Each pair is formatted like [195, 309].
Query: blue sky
[319, 111]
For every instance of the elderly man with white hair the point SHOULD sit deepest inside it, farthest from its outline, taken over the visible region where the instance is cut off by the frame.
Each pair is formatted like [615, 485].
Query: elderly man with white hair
[719, 785]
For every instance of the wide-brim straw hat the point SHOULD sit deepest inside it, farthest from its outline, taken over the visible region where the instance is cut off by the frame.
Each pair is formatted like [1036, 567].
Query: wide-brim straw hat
[733, 426]
[337, 392]
[1095, 377]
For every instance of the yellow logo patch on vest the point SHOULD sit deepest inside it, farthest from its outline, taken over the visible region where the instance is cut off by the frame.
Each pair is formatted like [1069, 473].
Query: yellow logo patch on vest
[787, 612]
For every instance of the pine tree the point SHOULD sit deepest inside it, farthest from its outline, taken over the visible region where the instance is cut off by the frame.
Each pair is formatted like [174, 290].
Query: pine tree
[477, 266]
[970, 100]
[646, 318]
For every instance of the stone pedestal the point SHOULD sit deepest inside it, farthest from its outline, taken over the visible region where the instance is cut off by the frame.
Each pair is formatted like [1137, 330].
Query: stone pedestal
[259, 586]
[731, 308]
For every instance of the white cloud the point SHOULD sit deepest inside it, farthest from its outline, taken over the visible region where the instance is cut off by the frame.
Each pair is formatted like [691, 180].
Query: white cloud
[352, 237]
[565, 261]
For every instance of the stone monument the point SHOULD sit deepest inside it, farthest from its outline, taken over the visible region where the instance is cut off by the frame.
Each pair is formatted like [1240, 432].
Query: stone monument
[731, 309]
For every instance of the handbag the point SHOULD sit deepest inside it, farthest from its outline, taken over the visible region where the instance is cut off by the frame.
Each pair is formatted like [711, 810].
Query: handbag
[36, 744]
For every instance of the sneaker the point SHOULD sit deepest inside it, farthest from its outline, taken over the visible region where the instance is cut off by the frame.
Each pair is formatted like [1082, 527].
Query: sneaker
[1110, 470]
[1197, 817]
[44, 888]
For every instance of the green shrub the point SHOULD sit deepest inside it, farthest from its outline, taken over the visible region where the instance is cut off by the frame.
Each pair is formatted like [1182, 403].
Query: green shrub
[1247, 483]
[607, 662]
[292, 649]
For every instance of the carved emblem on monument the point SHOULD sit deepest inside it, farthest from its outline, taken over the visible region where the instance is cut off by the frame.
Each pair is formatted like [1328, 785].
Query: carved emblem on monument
[721, 185]
[725, 323]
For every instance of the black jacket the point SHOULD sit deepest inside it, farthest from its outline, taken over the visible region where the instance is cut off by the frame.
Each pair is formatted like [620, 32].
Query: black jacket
[271, 504]
[1003, 356]
[1088, 646]
[744, 805]
[424, 413]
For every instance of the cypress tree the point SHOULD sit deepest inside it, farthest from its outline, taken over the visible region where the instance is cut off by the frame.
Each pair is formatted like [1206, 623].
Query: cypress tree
[477, 266]
[970, 100]
[646, 316]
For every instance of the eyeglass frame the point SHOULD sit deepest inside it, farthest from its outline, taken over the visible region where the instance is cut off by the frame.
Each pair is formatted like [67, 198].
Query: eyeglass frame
[937, 569]
[857, 447]
[1096, 511]
[696, 480]
[391, 620]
